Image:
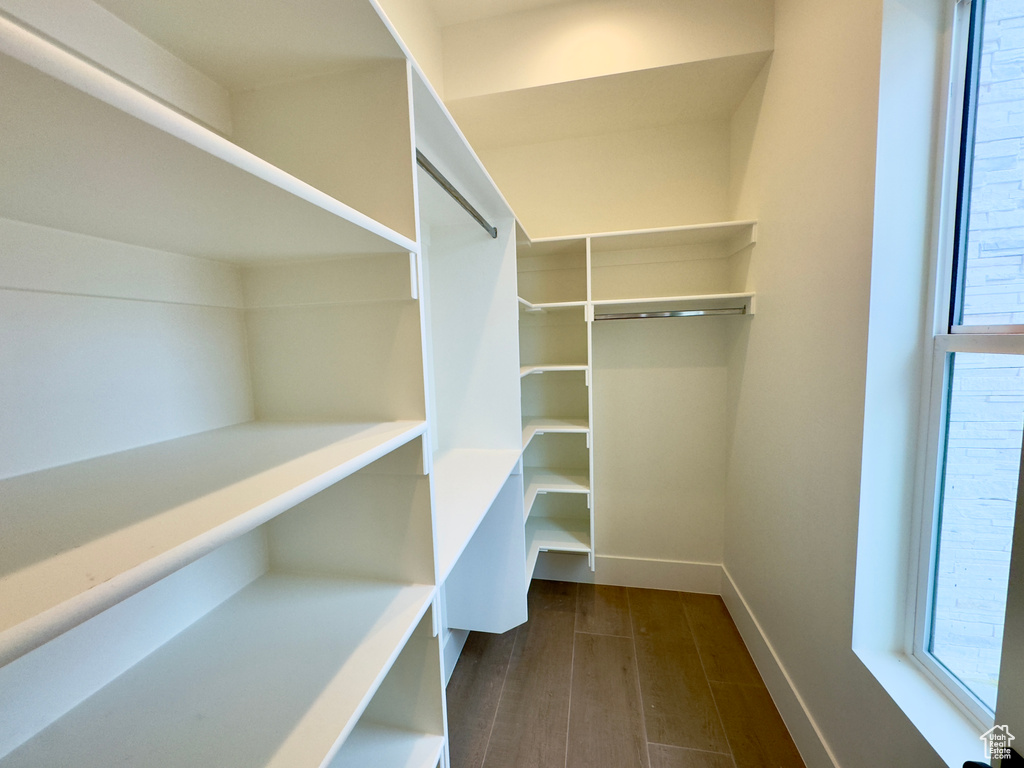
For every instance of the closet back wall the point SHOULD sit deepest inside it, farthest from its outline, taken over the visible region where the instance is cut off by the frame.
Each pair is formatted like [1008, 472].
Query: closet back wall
[660, 425]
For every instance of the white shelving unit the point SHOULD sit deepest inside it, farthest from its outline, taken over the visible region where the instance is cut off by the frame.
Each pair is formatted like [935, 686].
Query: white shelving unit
[84, 536]
[554, 340]
[245, 438]
[569, 285]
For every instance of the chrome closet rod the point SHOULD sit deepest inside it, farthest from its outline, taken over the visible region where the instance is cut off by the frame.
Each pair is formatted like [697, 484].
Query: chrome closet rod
[672, 313]
[447, 186]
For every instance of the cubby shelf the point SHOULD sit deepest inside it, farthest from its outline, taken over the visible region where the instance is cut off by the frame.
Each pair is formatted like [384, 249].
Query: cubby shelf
[548, 306]
[389, 748]
[466, 483]
[539, 426]
[527, 370]
[218, 693]
[80, 537]
[543, 480]
[734, 235]
[133, 170]
[546, 534]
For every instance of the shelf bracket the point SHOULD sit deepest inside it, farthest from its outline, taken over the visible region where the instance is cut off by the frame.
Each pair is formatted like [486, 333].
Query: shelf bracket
[448, 187]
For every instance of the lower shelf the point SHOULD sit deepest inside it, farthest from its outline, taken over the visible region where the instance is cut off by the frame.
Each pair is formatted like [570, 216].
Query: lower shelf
[542, 480]
[389, 748]
[548, 534]
[275, 676]
[81, 537]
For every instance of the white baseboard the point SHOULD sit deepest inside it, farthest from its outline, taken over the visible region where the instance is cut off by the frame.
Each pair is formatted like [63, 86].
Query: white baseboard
[632, 572]
[804, 730]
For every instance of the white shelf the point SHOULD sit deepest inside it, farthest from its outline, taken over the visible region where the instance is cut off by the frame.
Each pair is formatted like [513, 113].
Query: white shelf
[275, 677]
[465, 484]
[84, 152]
[537, 480]
[549, 306]
[692, 303]
[736, 235]
[526, 370]
[546, 534]
[81, 537]
[372, 745]
[539, 426]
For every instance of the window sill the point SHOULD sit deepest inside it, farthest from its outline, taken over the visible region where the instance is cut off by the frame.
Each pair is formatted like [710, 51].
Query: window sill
[951, 733]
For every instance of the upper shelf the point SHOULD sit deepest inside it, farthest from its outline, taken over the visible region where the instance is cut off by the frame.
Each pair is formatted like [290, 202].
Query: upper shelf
[84, 152]
[662, 306]
[527, 306]
[733, 235]
[526, 370]
[221, 693]
[81, 537]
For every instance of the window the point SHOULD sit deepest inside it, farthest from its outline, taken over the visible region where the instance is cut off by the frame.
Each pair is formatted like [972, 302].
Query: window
[977, 413]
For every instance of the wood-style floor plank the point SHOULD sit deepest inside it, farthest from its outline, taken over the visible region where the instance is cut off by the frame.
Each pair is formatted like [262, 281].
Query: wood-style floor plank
[663, 756]
[473, 694]
[606, 727]
[721, 648]
[757, 735]
[679, 709]
[531, 725]
[603, 610]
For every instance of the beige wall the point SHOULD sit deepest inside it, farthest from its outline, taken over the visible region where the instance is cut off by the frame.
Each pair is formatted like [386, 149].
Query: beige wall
[570, 41]
[794, 479]
[655, 177]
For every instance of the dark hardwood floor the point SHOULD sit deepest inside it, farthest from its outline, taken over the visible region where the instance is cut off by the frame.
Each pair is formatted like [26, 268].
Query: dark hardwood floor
[610, 677]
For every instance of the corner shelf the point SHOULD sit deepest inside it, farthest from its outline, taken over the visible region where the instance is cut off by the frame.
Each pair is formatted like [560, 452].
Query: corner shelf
[734, 236]
[218, 694]
[539, 426]
[527, 370]
[537, 480]
[545, 534]
[81, 537]
[549, 306]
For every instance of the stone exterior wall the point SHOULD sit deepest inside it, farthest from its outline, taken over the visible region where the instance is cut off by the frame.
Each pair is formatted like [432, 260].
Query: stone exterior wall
[987, 394]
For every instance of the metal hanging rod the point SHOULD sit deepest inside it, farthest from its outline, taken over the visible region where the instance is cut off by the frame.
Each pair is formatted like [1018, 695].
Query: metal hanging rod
[672, 313]
[446, 185]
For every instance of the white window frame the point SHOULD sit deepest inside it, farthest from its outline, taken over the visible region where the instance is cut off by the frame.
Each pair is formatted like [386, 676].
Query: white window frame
[943, 343]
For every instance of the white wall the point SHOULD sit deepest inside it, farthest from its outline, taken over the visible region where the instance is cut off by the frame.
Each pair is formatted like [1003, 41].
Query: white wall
[676, 174]
[794, 481]
[421, 32]
[570, 41]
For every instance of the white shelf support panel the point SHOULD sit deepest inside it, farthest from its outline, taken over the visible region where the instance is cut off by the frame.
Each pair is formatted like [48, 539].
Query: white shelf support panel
[706, 305]
[465, 485]
[81, 537]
